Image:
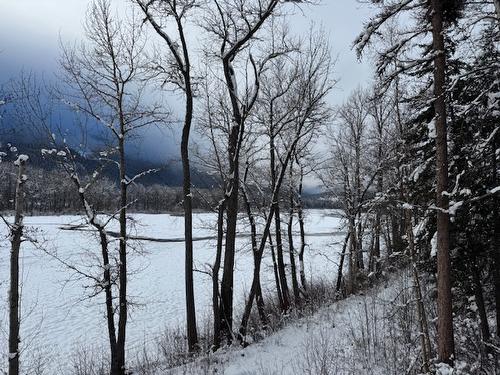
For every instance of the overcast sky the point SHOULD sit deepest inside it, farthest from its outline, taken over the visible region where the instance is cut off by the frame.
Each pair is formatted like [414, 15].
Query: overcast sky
[30, 31]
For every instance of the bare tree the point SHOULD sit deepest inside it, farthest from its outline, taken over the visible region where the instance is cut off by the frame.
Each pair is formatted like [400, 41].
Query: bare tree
[381, 112]
[107, 81]
[352, 171]
[234, 24]
[302, 111]
[159, 13]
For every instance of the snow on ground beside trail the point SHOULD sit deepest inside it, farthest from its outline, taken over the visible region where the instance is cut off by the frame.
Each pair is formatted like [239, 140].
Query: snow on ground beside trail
[57, 318]
[351, 336]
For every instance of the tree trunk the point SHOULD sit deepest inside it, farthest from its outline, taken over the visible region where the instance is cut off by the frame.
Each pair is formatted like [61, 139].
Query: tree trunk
[16, 233]
[376, 246]
[275, 270]
[341, 263]
[300, 214]
[280, 259]
[359, 252]
[231, 196]
[293, 267]
[445, 314]
[192, 333]
[256, 255]
[353, 257]
[110, 313]
[478, 293]
[277, 220]
[496, 234]
[215, 278]
[122, 297]
[422, 316]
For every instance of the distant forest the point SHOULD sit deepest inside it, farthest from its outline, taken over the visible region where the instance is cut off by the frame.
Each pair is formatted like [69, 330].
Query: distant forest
[50, 191]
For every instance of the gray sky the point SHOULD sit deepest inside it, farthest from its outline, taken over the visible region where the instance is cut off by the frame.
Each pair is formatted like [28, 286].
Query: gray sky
[30, 31]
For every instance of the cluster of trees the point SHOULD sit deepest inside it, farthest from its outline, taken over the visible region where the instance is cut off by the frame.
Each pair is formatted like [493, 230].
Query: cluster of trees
[413, 160]
[261, 130]
[424, 140]
[50, 191]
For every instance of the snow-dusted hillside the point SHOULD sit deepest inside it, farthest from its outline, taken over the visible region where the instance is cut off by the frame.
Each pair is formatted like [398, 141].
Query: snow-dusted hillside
[374, 332]
[363, 334]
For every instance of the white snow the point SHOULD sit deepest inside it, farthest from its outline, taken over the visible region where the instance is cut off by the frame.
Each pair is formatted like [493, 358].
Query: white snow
[12, 355]
[434, 245]
[431, 127]
[58, 318]
[346, 337]
[454, 206]
[48, 152]
[21, 159]
[495, 190]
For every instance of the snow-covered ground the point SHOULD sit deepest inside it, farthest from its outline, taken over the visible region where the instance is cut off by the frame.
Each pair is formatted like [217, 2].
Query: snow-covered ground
[372, 333]
[58, 317]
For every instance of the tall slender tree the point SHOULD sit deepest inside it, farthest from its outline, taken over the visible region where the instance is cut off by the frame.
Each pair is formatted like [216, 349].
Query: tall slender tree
[105, 80]
[445, 313]
[180, 75]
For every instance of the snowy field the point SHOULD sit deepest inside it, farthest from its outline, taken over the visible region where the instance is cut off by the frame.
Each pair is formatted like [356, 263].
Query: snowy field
[58, 317]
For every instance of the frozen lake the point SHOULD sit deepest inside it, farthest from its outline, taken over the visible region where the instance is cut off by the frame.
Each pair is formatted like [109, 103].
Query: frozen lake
[58, 317]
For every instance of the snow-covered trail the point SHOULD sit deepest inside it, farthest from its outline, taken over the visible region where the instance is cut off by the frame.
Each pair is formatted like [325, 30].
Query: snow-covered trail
[352, 336]
[326, 339]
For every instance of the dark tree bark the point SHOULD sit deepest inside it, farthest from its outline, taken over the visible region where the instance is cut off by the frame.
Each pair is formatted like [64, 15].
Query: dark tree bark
[280, 260]
[277, 218]
[182, 60]
[293, 266]
[421, 313]
[375, 254]
[16, 233]
[353, 257]
[255, 252]
[300, 214]
[445, 314]
[215, 278]
[338, 285]
[110, 314]
[478, 294]
[192, 332]
[122, 268]
[496, 231]
[275, 271]
[265, 235]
